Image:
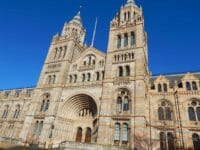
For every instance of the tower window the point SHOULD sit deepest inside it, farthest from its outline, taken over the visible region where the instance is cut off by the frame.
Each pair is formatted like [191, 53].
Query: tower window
[159, 88]
[124, 16]
[188, 86]
[70, 79]
[165, 87]
[125, 134]
[194, 85]
[97, 76]
[75, 78]
[127, 71]
[119, 104]
[83, 77]
[89, 76]
[119, 41]
[129, 17]
[117, 133]
[125, 40]
[132, 39]
[120, 71]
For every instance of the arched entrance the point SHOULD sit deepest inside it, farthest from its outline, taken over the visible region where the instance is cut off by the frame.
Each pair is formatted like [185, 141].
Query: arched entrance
[79, 134]
[88, 135]
[81, 111]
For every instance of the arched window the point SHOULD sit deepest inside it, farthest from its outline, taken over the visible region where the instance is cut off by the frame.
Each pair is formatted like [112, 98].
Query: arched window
[123, 101]
[36, 126]
[93, 62]
[79, 135]
[17, 112]
[49, 80]
[56, 53]
[84, 63]
[188, 86]
[159, 88]
[90, 60]
[65, 50]
[60, 52]
[5, 112]
[124, 16]
[125, 134]
[89, 76]
[132, 39]
[42, 106]
[117, 133]
[70, 79]
[75, 78]
[160, 113]
[163, 145]
[127, 71]
[196, 141]
[126, 104]
[119, 40]
[165, 111]
[165, 87]
[53, 79]
[97, 76]
[191, 114]
[47, 105]
[170, 140]
[120, 71]
[168, 113]
[103, 75]
[83, 77]
[119, 104]
[129, 17]
[198, 113]
[132, 55]
[125, 40]
[194, 86]
[40, 128]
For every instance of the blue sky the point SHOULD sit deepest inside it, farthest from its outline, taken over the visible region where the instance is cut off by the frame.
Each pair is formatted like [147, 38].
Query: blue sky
[27, 27]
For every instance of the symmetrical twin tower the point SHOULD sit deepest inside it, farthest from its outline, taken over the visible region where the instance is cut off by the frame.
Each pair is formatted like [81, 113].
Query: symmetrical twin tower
[86, 96]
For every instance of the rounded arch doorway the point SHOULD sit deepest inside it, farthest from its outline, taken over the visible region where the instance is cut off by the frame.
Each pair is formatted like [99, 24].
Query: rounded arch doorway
[82, 111]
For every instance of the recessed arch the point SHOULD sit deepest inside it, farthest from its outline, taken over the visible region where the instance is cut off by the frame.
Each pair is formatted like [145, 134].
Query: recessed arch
[78, 104]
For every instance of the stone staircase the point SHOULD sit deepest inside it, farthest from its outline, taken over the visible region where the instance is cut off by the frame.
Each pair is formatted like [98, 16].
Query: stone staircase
[84, 146]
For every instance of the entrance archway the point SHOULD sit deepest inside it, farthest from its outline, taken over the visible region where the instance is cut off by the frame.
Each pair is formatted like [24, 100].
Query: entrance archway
[80, 111]
[79, 135]
[88, 135]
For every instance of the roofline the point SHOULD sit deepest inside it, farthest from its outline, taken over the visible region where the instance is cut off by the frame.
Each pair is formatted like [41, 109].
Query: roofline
[20, 88]
[175, 74]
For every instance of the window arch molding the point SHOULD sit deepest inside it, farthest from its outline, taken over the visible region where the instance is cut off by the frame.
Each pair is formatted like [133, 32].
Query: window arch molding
[123, 100]
[165, 110]
[45, 102]
[194, 109]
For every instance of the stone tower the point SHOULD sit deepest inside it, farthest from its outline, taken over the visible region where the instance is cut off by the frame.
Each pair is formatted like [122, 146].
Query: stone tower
[124, 104]
[39, 122]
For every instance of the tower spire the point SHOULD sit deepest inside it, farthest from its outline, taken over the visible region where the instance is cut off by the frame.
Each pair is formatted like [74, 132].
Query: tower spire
[129, 2]
[77, 18]
[94, 33]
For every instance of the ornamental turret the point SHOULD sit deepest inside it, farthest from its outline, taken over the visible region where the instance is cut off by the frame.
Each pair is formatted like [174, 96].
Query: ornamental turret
[75, 29]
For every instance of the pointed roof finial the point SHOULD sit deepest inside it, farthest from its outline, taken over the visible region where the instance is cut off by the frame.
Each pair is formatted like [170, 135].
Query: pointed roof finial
[77, 18]
[130, 2]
